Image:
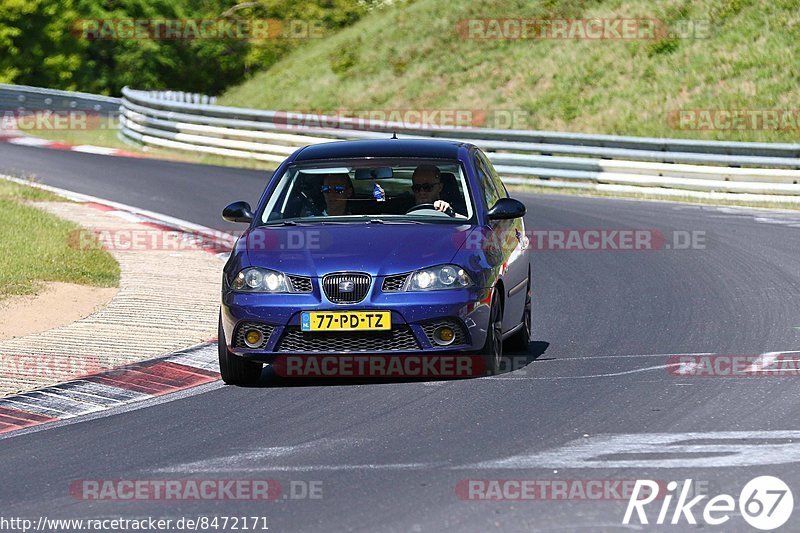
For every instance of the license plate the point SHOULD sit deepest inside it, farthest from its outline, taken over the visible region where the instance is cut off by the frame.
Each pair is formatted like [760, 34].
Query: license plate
[345, 320]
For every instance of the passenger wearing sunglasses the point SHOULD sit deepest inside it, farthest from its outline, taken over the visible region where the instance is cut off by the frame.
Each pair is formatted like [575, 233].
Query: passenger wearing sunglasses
[336, 189]
[427, 186]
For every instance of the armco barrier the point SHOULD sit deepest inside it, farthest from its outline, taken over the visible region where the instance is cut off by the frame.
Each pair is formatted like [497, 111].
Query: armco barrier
[23, 98]
[691, 165]
[193, 122]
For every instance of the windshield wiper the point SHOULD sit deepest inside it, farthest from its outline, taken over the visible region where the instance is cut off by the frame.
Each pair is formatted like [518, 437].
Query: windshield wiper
[392, 221]
[284, 223]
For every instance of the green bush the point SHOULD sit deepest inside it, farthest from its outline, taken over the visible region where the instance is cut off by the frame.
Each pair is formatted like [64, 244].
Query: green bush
[42, 44]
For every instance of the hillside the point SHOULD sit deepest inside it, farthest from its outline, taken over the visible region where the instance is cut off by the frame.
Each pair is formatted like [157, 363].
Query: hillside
[418, 55]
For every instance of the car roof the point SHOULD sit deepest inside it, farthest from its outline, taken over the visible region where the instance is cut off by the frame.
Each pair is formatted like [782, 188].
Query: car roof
[416, 148]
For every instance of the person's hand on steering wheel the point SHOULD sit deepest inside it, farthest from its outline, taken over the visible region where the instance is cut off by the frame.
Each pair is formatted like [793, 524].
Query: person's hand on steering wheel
[439, 207]
[444, 207]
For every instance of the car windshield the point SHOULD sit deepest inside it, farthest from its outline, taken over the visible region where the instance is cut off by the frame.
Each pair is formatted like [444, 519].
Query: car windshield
[410, 190]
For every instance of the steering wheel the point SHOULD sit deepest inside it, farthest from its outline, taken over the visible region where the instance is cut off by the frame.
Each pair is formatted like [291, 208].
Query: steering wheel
[431, 207]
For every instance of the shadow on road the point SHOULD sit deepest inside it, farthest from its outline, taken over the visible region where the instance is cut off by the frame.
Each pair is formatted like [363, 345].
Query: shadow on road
[511, 361]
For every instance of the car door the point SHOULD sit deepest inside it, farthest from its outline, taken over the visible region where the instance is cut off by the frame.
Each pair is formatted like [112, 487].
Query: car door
[510, 234]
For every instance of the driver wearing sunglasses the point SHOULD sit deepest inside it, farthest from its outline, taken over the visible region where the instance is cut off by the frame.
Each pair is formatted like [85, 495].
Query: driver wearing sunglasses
[427, 186]
[336, 189]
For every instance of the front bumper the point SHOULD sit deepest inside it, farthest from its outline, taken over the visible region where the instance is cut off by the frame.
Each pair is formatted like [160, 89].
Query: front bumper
[412, 315]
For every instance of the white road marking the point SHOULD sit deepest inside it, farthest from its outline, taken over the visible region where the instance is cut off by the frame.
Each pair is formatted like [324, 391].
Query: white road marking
[204, 358]
[335, 468]
[597, 451]
[252, 458]
[591, 357]
[591, 376]
[310, 468]
[32, 407]
[764, 360]
[89, 149]
[106, 391]
[124, 215]
[83, 395]
[687, 367]
[29, 141]
[76, 405]
[684, 367]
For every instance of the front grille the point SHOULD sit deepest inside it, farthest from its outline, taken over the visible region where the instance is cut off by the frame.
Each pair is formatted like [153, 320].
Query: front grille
[394, 283]
[332, 285]
[458, 328]
[238, 338]
[300, 284]
[399, 338]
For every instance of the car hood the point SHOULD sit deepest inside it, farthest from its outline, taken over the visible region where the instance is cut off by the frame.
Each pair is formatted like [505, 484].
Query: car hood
[377, 249]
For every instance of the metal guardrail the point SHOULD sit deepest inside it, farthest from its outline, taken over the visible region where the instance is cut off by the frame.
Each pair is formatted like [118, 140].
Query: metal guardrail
[760, 168]
[18, 98]
[194, 122]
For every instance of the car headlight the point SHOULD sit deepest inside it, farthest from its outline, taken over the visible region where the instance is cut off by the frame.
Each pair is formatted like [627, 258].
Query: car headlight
[439, 277]
[255, 279]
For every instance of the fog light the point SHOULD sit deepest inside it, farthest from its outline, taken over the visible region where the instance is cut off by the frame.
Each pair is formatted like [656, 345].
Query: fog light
[444, 335]
[253, 338]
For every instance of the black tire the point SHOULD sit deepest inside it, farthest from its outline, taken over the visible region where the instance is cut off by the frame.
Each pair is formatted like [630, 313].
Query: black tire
[234, 369]
[519, 341]
[492, 351]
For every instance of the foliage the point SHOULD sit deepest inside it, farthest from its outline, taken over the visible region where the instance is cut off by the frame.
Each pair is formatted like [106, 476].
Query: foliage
[46, 43]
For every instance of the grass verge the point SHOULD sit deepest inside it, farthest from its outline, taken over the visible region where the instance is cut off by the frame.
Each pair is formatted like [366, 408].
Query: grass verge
[34, 247]
[421, 55]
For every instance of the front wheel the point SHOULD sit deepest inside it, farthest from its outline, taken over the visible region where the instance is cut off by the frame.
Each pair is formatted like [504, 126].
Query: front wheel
[235, 370]
[519, 341]
[492, 351]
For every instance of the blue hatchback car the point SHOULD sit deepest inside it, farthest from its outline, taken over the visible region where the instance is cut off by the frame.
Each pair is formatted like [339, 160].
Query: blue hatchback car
[384, 247]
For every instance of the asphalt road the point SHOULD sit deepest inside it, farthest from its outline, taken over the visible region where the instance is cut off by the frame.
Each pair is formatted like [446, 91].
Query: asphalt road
[191, 192]
[390, 456]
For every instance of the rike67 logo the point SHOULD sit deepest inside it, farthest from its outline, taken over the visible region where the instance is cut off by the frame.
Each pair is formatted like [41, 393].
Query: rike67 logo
[765, 502]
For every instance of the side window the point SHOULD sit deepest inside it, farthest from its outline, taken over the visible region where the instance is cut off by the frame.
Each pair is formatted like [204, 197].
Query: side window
[498, 183]
[487, 184]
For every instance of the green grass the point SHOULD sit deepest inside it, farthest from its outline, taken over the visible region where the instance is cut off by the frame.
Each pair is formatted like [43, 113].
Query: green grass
[95, 137]
[411, 56]
[34, 247]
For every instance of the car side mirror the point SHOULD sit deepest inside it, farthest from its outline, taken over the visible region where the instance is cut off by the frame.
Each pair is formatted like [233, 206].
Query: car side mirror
[238, 212]
[507, 208]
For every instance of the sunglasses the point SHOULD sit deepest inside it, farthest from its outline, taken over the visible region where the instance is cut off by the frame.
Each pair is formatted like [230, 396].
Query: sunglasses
[338, 189]
[427, 187]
